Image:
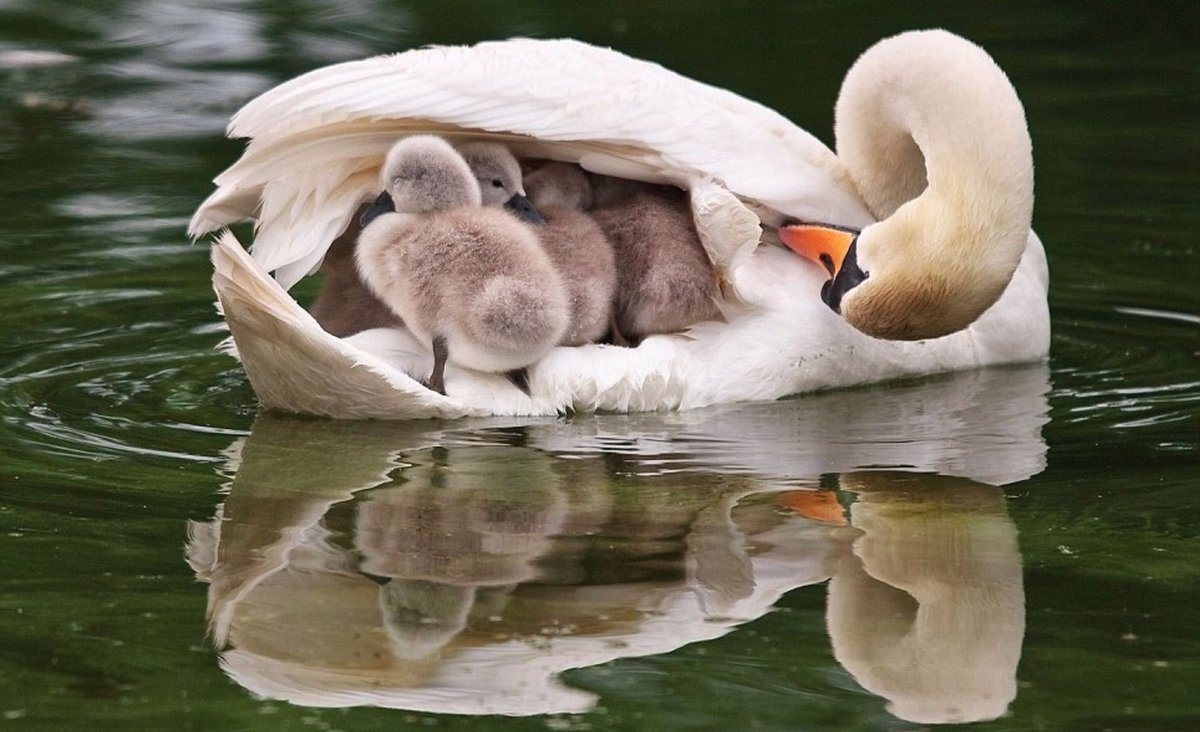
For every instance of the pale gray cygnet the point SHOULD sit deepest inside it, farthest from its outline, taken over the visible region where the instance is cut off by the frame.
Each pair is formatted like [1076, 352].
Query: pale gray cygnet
[499, 176]
[578, 248]
[665, 281]
[471, 281]
[345, 305]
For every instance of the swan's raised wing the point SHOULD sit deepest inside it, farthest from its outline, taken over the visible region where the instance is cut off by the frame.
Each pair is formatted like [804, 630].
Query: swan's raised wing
[316, 141]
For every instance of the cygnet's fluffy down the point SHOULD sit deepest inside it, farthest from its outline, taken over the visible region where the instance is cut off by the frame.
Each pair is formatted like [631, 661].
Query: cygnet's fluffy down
[499, 176]
[577, 246]
[665, 281]
[345, 306]
[473, 282]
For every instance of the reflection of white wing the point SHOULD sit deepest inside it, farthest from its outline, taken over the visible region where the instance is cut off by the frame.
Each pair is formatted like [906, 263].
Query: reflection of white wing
[317, 140]
[984, 425]
[520, 676]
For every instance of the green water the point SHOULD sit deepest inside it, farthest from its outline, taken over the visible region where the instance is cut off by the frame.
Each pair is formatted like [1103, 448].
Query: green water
[171, 559]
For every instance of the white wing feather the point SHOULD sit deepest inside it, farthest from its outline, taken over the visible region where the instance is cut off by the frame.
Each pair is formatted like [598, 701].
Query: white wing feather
[317, 140]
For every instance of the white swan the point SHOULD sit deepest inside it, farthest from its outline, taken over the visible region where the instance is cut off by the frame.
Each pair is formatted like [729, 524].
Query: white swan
[942, 111]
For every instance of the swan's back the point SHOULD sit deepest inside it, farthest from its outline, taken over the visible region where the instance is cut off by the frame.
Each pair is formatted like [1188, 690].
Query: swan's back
[317, 141]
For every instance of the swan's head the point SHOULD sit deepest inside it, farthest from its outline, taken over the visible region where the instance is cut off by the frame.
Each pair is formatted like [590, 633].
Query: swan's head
[934, 137]
[499, 176]
[559, 185]
[423, 173]
[920, 273]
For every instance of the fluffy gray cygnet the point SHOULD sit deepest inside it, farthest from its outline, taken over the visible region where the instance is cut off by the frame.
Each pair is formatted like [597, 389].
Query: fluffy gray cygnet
[665, 281]
[345, 306]
[578, 248]
[473, 282]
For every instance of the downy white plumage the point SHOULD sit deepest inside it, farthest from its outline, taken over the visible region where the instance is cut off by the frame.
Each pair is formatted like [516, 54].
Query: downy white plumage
[954, 205]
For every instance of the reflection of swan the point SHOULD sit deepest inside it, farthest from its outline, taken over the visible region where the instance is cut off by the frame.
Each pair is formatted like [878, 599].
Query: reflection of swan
[542, 553]
[984, 425]
[928, 611]
[957, 125]
[559, 566]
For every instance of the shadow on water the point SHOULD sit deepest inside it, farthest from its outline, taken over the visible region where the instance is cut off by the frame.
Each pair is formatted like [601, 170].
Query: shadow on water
[461, 570]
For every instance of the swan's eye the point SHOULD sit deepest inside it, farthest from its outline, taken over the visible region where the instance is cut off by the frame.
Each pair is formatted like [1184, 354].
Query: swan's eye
[497, 183]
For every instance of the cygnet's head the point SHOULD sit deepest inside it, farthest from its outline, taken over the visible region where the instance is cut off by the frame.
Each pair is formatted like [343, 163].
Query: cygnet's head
[559, 185]
[423, 173]
[499, 176]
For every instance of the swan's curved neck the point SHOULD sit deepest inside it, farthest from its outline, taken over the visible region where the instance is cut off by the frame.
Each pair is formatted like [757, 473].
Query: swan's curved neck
[934, 137]
[929, 115]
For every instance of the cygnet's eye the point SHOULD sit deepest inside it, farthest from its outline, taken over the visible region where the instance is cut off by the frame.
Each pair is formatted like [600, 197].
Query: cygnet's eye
[497, 183]
[397, 180]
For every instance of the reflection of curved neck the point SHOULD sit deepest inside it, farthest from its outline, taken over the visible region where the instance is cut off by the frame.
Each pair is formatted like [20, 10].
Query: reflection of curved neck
[929, 611]
[928, 117]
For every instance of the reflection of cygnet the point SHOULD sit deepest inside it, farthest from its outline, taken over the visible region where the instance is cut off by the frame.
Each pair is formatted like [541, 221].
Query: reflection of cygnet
[929, 612]
[472, 282]
[422, 617]
[578, 248]
[481, 518]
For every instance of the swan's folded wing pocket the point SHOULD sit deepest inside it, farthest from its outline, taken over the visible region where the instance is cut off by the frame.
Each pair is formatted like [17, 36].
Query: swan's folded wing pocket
[295, 366]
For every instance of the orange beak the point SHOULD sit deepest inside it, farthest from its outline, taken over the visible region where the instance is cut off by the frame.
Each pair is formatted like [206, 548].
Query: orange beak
[822, 506]
[824, 245]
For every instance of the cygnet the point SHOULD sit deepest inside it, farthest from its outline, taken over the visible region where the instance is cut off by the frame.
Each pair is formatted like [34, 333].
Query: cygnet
[578, 248]
[345, 306]
[473, 282]
[665, 281]
[499, 176]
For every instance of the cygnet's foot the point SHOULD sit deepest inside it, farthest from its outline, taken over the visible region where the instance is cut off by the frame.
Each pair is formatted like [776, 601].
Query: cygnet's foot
[428, 384]
[520, 379]
[437, 379]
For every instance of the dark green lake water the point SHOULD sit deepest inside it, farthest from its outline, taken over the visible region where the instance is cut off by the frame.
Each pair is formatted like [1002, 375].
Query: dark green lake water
[171, 559]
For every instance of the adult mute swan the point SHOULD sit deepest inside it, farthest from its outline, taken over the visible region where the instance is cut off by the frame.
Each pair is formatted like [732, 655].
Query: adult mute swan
[933, 176]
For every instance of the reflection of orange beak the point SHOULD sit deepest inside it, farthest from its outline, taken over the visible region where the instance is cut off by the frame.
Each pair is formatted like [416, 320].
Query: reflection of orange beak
[824, 245]
[822, 506]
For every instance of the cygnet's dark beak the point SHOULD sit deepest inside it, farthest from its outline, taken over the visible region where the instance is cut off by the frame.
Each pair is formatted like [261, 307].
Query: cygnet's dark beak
[381, 205]
[521, 206]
